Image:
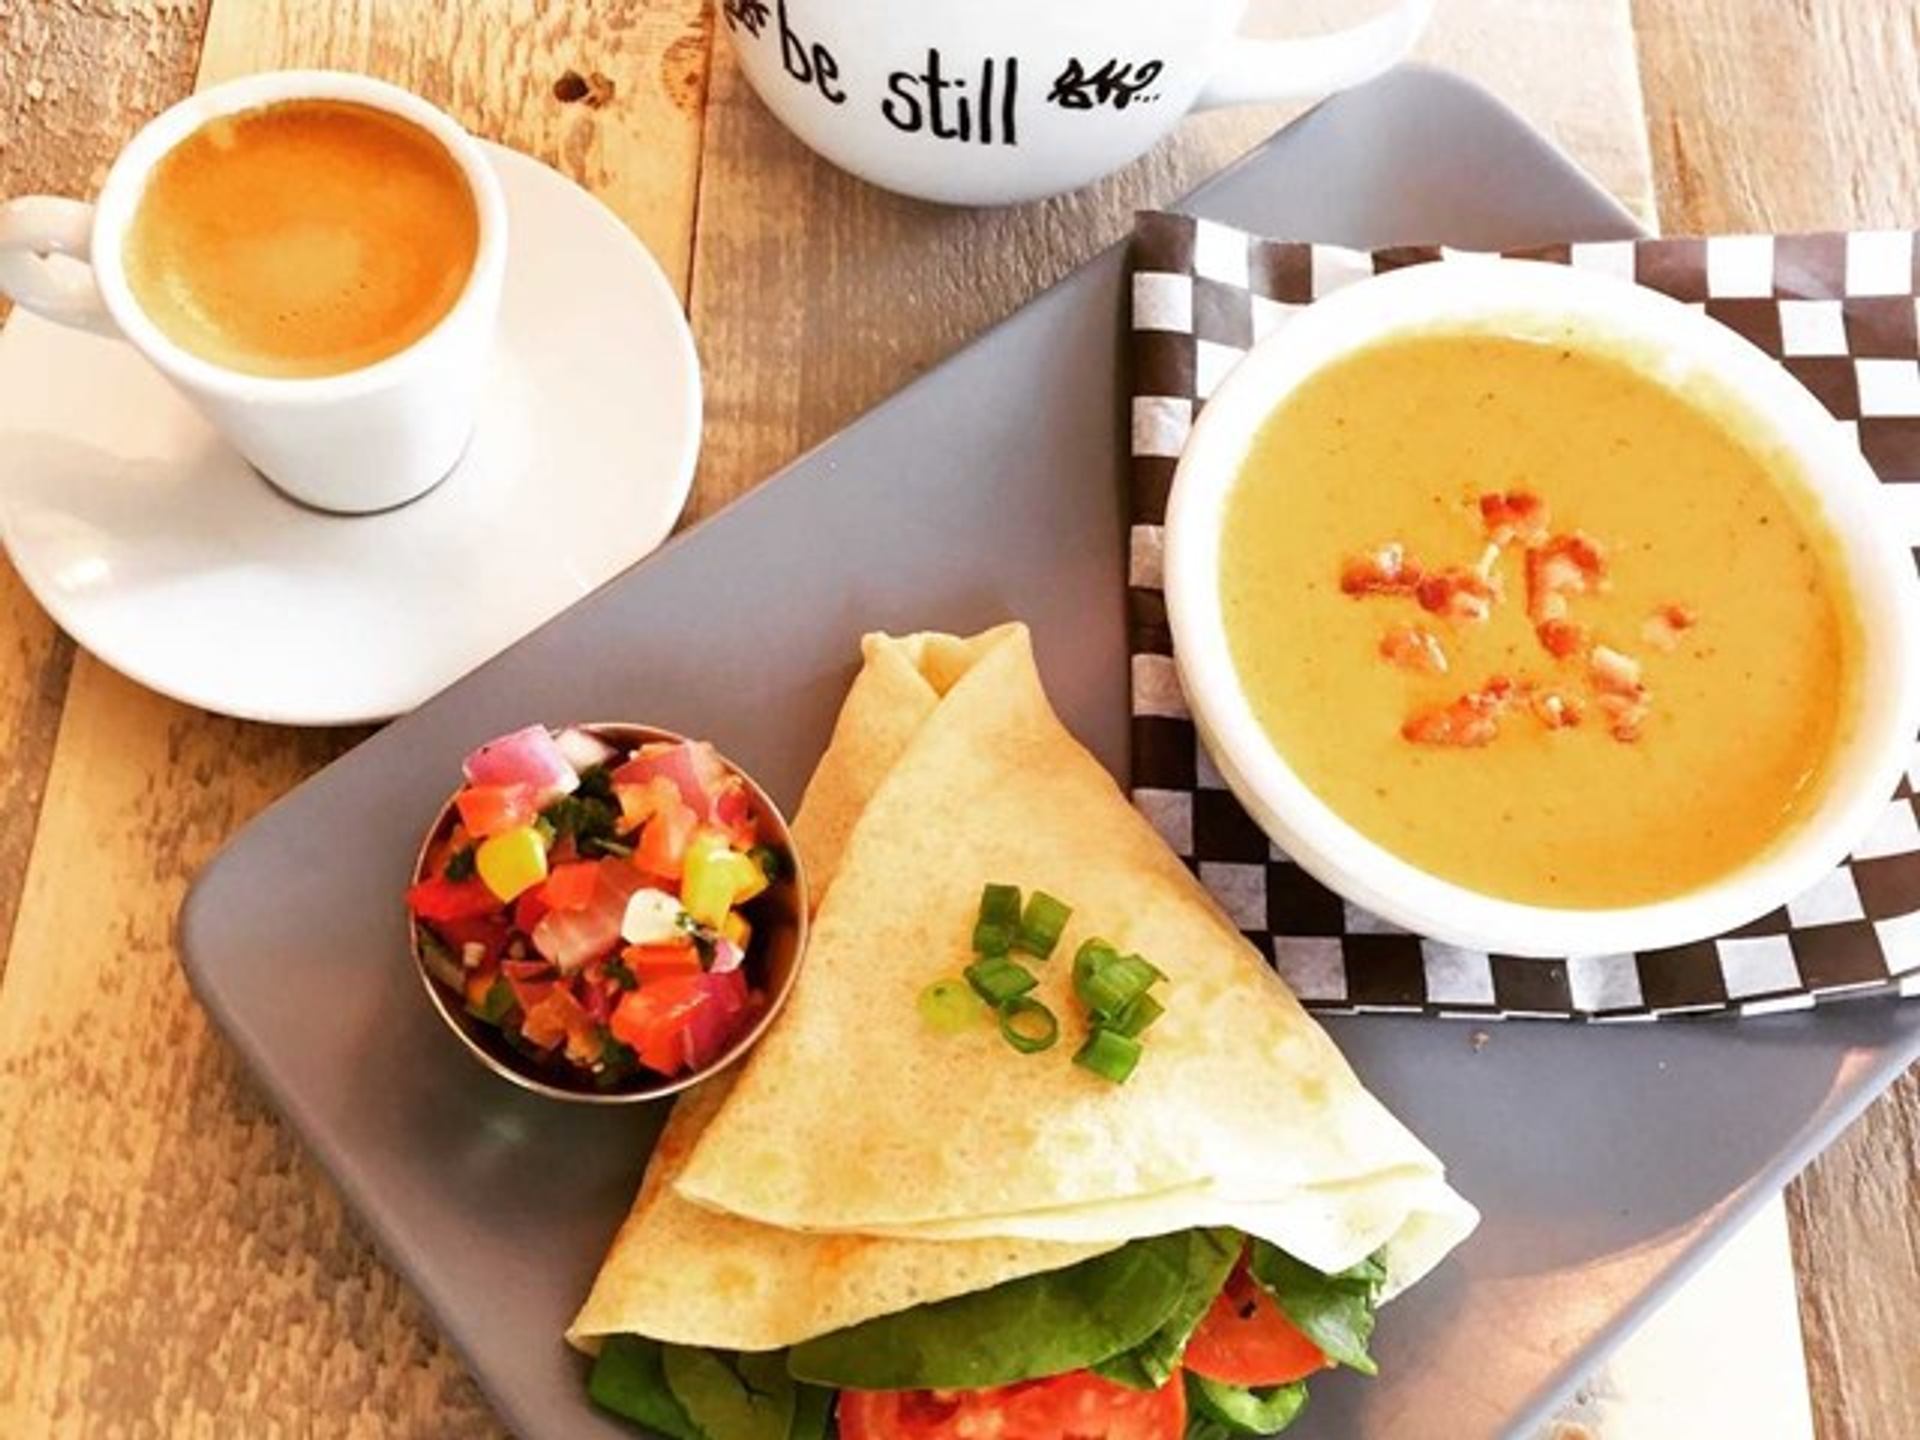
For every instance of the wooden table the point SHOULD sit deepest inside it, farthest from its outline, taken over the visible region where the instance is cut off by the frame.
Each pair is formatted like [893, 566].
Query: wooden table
[171, 1263]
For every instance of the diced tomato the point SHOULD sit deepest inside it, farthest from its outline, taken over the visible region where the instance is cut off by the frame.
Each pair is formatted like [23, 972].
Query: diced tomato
[572, 938]
[651, 962]
[490, 809]
[681, 1022]
[443, 899]
[1076, 1406]
[694, 767]
[571, 887]
[558, 1018]
[529, 909]
[641, 800]
[1246, 1339]
[733, 812]
[663, 840]
[529, 993]
[490, 932]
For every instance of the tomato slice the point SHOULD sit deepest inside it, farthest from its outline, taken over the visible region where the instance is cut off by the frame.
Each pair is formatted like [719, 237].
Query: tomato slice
[1076, 1406]
[494, 809]
[1246, 1339]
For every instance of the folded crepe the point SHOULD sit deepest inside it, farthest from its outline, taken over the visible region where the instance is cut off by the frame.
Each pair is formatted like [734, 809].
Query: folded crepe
[860, 1164]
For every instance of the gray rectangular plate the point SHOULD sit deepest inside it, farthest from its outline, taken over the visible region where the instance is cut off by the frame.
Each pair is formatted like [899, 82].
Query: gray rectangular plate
[1606, 1161]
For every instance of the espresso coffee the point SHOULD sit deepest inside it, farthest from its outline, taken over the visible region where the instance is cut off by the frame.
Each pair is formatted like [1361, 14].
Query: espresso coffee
[304, 238]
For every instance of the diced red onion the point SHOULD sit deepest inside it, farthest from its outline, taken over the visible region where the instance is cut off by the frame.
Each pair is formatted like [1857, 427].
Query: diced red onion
[583, 749]
[529, 757]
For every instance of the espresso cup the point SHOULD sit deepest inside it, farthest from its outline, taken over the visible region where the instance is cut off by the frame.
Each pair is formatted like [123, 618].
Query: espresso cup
[383, 416]
[990, 102]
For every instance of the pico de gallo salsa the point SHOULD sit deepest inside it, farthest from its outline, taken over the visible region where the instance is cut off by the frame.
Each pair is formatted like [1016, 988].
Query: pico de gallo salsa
[593, 900]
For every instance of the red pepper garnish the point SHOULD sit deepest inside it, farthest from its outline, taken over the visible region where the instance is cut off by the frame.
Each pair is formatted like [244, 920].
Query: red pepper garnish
[1564, 566]
[1414, 647]
[1665, 626]
[1470, 721]
[1457, 594]
[1516, 515]
[1619, 691]
[1385, 570]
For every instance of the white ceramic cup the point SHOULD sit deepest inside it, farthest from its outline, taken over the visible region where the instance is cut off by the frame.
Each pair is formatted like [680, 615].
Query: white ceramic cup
[359, 441]
[1678, 346]
[989, 102]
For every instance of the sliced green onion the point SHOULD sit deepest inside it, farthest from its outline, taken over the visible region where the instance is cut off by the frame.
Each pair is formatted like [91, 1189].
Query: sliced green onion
[950, 1006]
[997, 979]
[1110, 1056]
[1028, 1026]
[1107, 988]
[1041, 924]
[1091, 956]
[999, 920]
[1135, 1016]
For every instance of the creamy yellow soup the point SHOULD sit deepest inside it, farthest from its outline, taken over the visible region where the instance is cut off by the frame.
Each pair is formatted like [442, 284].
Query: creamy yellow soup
[1721, 589]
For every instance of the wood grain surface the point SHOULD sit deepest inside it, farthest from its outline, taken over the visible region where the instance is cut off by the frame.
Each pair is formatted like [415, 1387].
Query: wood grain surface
[175, 1265]
[1805, 116]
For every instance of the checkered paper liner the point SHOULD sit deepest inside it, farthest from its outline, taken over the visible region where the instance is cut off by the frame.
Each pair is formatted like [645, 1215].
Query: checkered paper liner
[1840, 311]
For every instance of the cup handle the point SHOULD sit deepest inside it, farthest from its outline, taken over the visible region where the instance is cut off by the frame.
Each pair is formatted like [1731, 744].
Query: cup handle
[1304, 69]
[35, 228]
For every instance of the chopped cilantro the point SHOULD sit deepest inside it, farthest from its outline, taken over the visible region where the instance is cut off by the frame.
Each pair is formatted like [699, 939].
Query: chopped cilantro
[587, 819]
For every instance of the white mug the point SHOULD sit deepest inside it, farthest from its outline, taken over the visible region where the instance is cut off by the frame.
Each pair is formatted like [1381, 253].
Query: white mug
[359, 441]
[990, 102]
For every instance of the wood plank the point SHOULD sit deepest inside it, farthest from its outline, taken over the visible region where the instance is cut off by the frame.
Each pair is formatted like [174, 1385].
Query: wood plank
[75, 81]
[815, 295]
[1776, 117]
[191, 1272]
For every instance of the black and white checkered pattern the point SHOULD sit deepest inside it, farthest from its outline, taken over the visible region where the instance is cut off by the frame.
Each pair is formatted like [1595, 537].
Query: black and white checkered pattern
[1840, 311]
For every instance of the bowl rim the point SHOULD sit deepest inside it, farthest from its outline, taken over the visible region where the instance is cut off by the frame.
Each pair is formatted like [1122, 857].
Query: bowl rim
[634, 734]
[1673, 343]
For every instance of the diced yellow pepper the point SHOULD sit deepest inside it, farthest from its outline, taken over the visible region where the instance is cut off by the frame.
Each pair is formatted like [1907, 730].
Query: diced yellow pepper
[716, 878]
[512, 862]
[737, 930]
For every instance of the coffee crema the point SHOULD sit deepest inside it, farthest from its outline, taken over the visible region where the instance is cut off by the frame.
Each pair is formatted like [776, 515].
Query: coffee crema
[304, 238]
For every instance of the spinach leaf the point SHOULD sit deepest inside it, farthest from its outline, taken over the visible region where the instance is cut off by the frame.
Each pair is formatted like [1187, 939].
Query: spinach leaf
[812, 1413]
[630, 1379]
[1333, 1311]
[1038, 1325]
[1148, 1366]
[1218, 1408]
[730, 1395]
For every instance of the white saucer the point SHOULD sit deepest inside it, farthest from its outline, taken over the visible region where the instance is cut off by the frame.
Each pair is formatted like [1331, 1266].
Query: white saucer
[162, 552]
